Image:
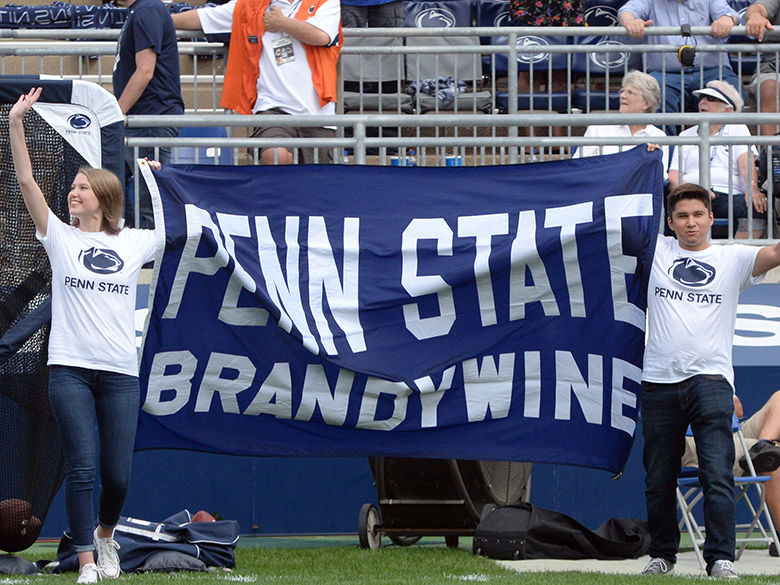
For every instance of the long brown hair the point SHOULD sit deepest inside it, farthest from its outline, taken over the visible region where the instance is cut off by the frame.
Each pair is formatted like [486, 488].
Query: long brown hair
[110, 195]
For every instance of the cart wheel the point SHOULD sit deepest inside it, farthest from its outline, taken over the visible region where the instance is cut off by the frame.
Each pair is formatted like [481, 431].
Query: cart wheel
[401, 540]
[452, 541]
[368, 520]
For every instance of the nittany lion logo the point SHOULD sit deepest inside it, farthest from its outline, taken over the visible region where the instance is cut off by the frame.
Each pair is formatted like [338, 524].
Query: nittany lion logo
[101, 260]
[502, 19]
[609, 60]
[601, 16]
[434, 18]
[79, 121]
[531, 41]
[691, 272]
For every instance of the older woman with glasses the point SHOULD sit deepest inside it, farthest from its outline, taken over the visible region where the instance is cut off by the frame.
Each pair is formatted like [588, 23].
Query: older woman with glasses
[732, 167]
[639, 94]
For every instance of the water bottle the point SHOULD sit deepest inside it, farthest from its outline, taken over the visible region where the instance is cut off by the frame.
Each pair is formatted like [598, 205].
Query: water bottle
[344, 157]
[411, 159]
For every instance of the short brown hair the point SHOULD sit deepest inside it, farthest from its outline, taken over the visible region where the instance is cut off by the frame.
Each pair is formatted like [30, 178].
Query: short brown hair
[687, 191]
[110, 195]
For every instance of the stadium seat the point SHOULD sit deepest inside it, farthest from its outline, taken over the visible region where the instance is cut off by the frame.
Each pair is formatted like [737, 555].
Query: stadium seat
[602, 12]
[465, 67]
[214, 155]
[438, 13]
[601, 70]
[372, 81]
[536, 64]
[750, 489]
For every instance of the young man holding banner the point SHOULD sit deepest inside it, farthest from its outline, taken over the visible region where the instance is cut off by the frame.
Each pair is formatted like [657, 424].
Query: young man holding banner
[688, 378]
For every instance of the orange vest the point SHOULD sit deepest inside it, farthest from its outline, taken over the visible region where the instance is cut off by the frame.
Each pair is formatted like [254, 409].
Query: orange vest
[239, 91]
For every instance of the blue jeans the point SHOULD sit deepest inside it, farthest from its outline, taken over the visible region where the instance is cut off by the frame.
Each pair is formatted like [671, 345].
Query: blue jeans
[674, 99]
[78, 396]
[705, 402]
[162, 154]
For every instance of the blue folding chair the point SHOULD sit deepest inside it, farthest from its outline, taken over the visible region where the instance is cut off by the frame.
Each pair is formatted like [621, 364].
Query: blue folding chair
[206, 155]
[750, 489]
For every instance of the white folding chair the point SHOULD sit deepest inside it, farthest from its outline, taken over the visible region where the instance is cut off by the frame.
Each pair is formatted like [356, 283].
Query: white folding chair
[750, 489]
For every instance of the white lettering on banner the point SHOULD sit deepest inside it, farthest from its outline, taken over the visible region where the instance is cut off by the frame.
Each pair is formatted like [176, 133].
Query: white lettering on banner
[533, 385]
[568, 218]
[483, 228]
[238, 370]
[178, 381]
[285, 294]
[335, 286]
[622, 371]
[525, 259]
[341, 293]
[430, 396]
[275, 394]
[375, 387]
[569, 380]
[420, 285]
[197, 220]
[615, 210]
[488, 388]
[317, 393]
[230, 313]
[765, 322]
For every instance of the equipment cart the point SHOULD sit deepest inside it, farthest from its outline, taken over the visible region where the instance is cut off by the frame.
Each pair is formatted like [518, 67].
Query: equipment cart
[437, 497]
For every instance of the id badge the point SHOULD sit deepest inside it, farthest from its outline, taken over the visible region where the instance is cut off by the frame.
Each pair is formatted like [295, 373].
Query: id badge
[283, 51]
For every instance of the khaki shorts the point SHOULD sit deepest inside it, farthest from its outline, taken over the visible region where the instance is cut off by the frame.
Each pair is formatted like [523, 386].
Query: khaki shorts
[766, 71]
[305, 155]
[749, 431]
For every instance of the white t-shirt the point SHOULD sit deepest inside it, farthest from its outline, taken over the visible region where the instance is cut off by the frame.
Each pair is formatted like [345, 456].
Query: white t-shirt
[619, 131]
[287, 86]
[692, 309]
[720, 171]
[94, 278]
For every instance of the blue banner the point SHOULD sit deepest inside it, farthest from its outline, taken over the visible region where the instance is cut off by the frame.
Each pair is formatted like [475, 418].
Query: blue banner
[467, 313]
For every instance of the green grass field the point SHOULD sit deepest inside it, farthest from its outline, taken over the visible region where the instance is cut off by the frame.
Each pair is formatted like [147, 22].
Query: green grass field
[340, 561]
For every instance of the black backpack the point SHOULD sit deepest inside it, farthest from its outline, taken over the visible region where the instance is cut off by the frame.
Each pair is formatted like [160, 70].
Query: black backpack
[523, 531]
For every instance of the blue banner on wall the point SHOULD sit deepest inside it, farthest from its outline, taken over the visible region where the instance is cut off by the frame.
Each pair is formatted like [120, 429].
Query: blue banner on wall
[468, 313]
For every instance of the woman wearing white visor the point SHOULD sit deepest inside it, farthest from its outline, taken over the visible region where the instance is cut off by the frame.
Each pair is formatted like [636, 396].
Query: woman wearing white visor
[732, 167]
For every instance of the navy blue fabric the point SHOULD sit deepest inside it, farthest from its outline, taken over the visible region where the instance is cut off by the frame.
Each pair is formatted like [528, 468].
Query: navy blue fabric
[54, 90]
[257, 389]
[438, 13]
[212, 542]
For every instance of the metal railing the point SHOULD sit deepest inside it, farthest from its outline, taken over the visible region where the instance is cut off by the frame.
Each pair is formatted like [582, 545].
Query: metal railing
[471, 132]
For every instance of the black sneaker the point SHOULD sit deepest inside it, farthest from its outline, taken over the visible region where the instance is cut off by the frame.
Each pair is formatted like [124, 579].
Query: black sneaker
[765, 456]
[773, 550]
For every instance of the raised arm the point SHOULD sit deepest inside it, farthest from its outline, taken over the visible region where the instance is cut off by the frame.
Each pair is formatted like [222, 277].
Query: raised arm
[31, 192]
[768, 257]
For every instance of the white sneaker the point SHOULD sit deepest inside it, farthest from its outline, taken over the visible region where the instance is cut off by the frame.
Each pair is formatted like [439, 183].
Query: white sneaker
[107, 556]
[88, 574]
[724, 569]
[658, 566]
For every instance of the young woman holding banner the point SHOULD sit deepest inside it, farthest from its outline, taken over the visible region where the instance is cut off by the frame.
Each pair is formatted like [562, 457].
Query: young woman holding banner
[92, 353]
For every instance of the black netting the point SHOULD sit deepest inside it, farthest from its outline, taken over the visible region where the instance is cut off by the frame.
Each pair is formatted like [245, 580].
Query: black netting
[30, 455]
